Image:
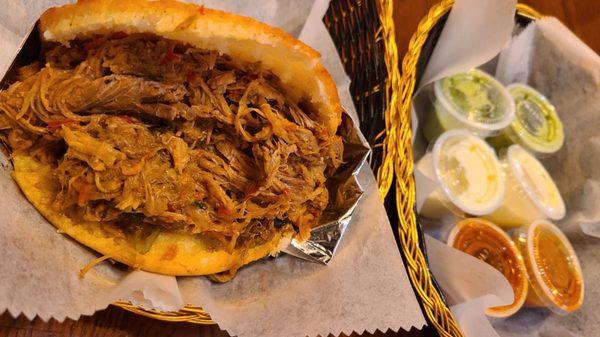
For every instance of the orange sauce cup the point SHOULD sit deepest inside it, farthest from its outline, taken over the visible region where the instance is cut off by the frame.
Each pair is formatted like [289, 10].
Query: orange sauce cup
[555, 275]
[489, 243]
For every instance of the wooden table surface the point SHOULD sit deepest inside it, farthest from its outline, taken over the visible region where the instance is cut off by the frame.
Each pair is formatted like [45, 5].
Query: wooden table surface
[581, 16]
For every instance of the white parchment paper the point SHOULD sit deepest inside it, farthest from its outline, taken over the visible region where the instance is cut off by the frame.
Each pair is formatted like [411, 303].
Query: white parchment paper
[553, 60]
[470, 286]
[475, 32]
[365, 287]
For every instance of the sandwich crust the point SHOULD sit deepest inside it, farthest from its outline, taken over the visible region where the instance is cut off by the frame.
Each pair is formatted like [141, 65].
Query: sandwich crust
[297, 65]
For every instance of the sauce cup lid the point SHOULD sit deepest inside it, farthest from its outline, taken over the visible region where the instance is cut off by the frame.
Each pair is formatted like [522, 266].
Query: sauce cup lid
[476, 99]
[468, 171]
[486, 241]
[536, 125]
[552, 265]
[535, 180]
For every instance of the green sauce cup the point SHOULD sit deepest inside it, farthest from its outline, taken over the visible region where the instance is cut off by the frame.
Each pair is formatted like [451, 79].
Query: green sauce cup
[472, 100]
[536, 127]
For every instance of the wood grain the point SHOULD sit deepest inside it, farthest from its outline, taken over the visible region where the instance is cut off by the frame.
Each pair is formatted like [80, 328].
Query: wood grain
[581, 16]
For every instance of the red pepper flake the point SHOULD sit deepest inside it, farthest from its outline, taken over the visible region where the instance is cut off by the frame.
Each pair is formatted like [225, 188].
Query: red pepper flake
[223, 212]
[201, 9]
[170, 57]
[286, 191]
[126, 119]
[55, 124]
[190, 76]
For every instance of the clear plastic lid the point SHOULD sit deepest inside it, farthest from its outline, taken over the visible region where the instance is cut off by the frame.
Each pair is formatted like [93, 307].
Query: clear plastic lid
[537, 183]
[489, 243]
[536, 125]
[476, 99]
[468, 171]
[552, 265]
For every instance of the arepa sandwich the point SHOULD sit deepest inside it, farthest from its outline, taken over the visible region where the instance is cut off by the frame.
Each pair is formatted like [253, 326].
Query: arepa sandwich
[171, 137]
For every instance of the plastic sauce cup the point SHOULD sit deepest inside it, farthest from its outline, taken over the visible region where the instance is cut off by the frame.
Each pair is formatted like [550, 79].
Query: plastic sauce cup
[536, 126]
[530, 191]
[472, 100]
[489, 243]
[467, 174]
[555, 277]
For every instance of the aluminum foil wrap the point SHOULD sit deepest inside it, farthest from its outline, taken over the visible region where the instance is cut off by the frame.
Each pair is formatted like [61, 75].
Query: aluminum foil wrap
[344, 189]
[344, 194]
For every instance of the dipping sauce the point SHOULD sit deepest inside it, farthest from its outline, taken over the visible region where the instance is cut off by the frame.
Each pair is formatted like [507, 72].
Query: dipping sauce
[553, 268]
[471, 100]
[530, 191]
[536, 126]
[487, 242]
[468, 176]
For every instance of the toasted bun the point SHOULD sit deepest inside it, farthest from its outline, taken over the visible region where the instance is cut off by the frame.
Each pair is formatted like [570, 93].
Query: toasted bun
[296, 64]
[170, 254]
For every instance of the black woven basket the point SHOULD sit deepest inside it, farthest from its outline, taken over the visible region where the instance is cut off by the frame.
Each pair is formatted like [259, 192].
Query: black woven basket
[357, 28]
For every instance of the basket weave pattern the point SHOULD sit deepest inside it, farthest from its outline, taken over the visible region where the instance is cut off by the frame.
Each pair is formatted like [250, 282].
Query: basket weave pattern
[435, 308]
[363, 32]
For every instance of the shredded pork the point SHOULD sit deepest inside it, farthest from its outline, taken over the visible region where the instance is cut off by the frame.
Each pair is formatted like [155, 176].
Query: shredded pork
[145, 132]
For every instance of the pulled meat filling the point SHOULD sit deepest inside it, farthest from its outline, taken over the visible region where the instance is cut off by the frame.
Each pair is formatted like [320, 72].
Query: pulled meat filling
[145, 132]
